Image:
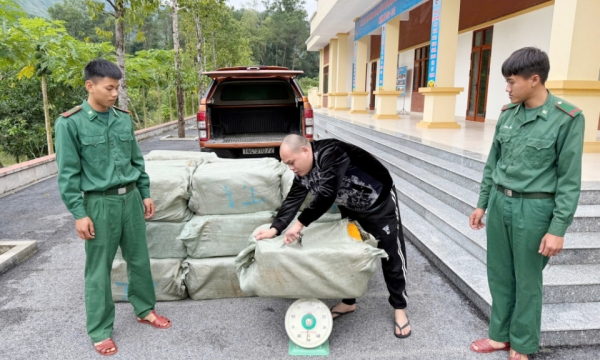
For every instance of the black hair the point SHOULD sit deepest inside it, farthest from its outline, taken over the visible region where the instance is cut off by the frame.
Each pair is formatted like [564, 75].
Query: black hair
[100, 68]
[527, 62]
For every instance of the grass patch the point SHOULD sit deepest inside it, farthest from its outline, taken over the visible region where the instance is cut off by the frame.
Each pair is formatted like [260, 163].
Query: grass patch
[6, 159]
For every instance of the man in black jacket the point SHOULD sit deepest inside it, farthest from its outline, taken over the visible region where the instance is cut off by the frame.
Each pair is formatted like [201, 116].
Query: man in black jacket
[338, 172]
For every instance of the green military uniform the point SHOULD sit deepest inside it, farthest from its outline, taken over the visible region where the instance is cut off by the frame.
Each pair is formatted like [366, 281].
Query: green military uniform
[531, 185]
[101, 158]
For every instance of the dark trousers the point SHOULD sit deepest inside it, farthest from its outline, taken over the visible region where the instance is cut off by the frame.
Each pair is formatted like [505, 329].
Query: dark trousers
[385, 225]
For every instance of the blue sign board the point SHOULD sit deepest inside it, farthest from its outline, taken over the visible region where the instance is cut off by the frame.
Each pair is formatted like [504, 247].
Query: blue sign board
[354, 67]
[433, 44]
[401, 79]
[381, 57]
[380, 14]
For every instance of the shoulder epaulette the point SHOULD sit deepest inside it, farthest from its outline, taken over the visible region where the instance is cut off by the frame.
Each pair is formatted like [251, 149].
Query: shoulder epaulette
[570, 109]
[509, 106]
[71, 112]
[122, 110]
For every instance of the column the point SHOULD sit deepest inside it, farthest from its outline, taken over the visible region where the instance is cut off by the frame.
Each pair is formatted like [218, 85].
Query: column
[333, 63]
[341, 93]
[358, 96]
[574, 61]
[319, 103]
[440, 100]
[386, 96]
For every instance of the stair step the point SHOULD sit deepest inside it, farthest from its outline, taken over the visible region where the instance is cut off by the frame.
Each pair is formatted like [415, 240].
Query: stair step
[455, 159]
[562, 324]
[572, 283]
[465, 177]
[587, 217]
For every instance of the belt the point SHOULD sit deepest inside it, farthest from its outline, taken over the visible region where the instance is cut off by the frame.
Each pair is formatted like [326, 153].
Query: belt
[115, 191]
[514, 194]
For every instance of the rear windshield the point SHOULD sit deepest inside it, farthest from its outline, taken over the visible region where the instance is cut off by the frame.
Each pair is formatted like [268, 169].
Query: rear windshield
[245, 92]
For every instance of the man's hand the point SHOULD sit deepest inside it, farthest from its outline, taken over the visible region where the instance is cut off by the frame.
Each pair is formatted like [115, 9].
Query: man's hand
[293, 233]
[85, 228]
[148, 208]
[551, 245]
[475, 219]
[266, 234]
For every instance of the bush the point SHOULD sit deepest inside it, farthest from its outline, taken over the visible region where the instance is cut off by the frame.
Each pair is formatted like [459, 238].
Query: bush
[307, 83]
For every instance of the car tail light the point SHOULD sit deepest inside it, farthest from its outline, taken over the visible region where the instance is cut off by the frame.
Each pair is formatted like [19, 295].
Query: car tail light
[202, 131]
[309, 117]
[309, 131]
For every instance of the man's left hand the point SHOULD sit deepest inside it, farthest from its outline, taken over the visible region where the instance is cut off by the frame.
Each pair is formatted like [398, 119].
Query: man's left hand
[293, 233]
[148, 208]
[551, 245]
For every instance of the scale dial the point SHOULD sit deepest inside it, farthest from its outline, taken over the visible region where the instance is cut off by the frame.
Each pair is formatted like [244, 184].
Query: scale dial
[308, 323]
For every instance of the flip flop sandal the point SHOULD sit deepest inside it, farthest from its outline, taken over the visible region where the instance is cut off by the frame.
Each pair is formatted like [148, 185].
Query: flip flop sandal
[339, 314]
[484, 346]
[160, 322]
[104, 347]
[400, 336]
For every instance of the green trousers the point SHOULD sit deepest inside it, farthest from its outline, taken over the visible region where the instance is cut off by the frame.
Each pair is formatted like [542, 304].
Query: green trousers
[118, 221]
[515, 228]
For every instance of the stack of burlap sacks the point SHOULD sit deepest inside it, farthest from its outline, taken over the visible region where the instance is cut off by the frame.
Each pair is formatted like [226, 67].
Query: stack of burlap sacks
[207, 210]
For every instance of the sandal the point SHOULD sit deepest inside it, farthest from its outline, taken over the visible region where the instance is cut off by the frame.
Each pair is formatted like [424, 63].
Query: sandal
[339, 314]
[484, 346]
[104, 347]
[400, 336]
[160, 322]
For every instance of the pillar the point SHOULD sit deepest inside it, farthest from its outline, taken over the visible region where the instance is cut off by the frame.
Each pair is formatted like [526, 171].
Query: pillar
[575, 61]
[358, 96]
[386, 96]
[440, 100]
[333, 63]
[319, 103]
[341, 93]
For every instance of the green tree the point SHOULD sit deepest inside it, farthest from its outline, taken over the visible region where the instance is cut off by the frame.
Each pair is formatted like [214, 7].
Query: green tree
[132, 12]
[78, 23]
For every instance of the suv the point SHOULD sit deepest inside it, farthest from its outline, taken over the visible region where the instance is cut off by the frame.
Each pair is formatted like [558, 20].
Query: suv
[247, 111]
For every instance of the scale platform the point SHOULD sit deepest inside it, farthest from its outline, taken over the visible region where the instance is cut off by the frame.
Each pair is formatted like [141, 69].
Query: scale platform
[308, 323]
[321, 350]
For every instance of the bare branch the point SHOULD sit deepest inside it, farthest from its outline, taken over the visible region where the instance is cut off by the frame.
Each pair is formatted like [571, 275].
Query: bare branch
[111, 4]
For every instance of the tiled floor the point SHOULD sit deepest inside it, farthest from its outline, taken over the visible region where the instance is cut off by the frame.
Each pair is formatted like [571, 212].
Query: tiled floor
[471, 137]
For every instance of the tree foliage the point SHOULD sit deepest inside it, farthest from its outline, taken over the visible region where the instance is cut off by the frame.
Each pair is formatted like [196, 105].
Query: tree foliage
[81, 30]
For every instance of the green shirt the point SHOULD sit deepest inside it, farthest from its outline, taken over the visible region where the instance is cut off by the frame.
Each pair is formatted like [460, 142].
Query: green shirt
[540, 152]
[103, 116]
[96, 156]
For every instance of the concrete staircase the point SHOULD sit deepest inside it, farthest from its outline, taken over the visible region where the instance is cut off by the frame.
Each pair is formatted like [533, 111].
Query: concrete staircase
[438, 190]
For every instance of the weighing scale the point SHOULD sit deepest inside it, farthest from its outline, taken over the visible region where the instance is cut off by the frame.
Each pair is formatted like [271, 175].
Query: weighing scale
[308, 323]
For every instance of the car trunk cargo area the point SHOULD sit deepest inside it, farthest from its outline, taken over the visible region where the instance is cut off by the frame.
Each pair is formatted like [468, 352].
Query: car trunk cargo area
[254, 111]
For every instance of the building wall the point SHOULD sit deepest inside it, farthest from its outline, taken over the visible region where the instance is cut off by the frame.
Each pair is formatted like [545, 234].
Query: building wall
[531, 29]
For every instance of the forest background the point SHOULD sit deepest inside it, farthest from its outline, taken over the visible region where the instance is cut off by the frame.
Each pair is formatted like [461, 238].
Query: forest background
[44, 45]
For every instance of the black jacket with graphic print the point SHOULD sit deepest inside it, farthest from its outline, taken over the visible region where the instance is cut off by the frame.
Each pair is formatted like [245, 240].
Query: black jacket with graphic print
[343, 174]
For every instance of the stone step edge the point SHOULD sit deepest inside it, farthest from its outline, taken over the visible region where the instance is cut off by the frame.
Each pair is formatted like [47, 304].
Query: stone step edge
[552, 334]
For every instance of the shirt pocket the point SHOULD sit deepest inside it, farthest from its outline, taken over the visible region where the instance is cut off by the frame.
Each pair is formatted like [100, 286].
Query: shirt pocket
[93, 149]
[504, 138]
[539, 152]
[125, 144]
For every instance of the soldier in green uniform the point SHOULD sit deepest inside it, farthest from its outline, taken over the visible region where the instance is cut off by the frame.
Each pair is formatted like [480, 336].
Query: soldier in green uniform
[98, 155]
[530, 188]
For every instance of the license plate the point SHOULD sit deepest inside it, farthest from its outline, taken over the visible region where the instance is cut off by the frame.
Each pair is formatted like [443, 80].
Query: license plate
[258, 151]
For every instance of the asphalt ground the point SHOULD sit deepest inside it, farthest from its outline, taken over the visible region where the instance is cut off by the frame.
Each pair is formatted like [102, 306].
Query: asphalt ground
[42, 313]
